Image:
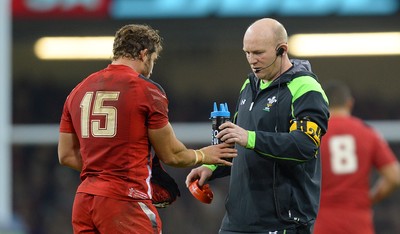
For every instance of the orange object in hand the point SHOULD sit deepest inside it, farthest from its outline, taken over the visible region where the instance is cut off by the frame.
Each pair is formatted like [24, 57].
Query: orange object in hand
[201, 193]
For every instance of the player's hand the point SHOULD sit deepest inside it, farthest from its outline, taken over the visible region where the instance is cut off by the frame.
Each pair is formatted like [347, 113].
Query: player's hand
[221, 154]
[202, 173]
[231, 133]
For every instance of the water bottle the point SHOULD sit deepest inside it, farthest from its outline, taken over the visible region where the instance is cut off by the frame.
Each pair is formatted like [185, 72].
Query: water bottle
[218, 117]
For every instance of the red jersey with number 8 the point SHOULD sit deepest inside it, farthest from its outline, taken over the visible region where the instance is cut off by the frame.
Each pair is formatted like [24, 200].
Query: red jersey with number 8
[110, 112]
[349, 152]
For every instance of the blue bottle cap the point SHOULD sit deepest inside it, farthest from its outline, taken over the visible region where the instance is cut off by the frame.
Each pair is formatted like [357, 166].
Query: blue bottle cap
[222, 112]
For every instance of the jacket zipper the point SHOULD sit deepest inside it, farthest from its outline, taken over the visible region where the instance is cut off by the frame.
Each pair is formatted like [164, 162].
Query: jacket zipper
[251, 106]
[255, 92]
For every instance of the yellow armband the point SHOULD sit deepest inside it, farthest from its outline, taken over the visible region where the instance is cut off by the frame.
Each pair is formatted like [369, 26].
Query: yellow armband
[308, 127]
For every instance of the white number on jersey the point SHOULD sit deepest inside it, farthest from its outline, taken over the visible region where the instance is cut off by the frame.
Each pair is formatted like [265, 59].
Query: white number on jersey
[99, 109]
[343, 154]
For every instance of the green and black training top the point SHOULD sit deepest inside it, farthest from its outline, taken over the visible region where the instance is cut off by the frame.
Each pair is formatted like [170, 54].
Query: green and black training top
[275, 180]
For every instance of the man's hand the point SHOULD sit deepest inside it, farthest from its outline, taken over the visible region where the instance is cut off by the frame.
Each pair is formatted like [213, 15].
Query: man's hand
[221, 154]
[232, 133]
[201, 173]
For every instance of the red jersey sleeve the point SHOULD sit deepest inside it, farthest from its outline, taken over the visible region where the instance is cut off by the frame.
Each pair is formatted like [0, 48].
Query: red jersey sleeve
[158, 105]
[383, 153]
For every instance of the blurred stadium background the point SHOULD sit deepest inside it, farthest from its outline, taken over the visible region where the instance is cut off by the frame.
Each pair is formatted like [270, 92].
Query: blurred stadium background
[202, 62]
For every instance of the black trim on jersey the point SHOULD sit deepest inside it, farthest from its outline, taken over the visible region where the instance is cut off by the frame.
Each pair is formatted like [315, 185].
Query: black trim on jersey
[153, 82]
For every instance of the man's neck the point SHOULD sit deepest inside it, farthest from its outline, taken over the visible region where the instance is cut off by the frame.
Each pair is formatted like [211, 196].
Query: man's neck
[126, 62]
[339, 112]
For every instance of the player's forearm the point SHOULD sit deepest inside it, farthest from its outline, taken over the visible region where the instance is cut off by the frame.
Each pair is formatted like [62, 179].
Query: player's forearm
[173, 152]
[389, 181]
[184, 158]
[73, 161]
[169, 149]
[381, 190]
[69, 151]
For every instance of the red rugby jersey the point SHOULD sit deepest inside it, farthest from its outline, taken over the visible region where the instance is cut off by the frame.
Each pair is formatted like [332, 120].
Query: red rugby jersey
[110, 112]
[349, 152]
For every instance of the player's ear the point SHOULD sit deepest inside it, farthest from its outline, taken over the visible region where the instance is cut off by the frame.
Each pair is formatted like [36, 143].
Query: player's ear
[350, 103]
[143, 54]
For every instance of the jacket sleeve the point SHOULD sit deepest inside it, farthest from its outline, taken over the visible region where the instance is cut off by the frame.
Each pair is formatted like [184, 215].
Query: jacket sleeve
[220, 171]
[309, 122]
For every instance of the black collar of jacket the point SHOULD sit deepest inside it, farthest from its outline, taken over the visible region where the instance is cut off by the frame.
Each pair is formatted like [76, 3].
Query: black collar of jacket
[299, 68]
